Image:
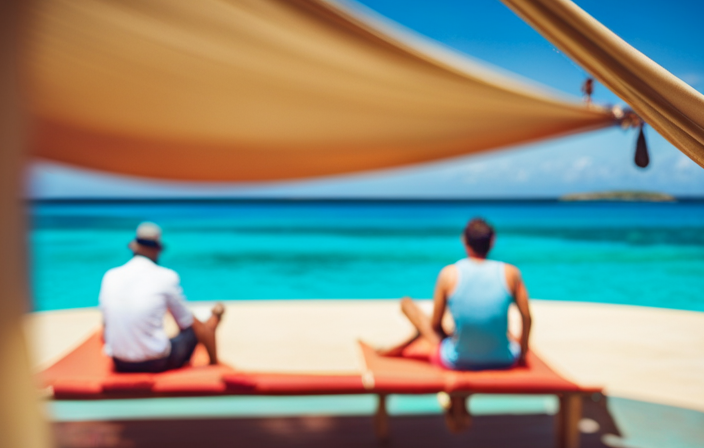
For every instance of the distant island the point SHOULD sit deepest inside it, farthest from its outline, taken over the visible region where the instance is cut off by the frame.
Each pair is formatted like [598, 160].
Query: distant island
[633, 196]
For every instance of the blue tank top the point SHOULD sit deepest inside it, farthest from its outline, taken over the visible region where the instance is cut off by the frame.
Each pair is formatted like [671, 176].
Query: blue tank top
[479, 305]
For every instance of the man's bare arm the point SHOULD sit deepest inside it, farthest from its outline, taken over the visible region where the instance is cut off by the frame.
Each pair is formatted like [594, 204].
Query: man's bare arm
[520, 295]
[442, 289]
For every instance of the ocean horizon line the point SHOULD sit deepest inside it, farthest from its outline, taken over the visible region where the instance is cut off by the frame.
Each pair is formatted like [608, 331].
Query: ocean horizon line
[350, 200]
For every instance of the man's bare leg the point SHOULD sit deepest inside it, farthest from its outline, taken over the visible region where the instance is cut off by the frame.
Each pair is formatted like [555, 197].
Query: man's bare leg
[420, 321]
[205, 331]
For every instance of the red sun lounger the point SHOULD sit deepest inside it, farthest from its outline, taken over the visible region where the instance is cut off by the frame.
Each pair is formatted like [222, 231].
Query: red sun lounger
[412, 373]
[86, 373]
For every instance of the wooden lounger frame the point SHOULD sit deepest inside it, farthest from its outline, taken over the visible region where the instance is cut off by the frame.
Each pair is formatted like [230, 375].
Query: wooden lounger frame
[566, 420]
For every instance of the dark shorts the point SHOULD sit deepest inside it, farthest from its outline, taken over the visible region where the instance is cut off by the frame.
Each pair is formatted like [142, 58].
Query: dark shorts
[182, 347]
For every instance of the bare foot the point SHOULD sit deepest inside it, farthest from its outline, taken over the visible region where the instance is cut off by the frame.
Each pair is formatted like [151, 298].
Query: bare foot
[218, 310]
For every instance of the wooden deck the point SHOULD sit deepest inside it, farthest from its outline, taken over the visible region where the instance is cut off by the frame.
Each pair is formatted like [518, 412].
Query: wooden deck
[514, 431]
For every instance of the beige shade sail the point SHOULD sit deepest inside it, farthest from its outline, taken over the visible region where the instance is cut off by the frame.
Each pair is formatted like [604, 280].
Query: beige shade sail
[251, 90]
[665, 102]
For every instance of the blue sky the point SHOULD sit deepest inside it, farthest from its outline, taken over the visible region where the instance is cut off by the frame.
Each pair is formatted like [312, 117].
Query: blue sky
[668, 32]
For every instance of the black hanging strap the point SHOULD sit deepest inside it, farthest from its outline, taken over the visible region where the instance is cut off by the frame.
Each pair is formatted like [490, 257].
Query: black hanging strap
[642, 158]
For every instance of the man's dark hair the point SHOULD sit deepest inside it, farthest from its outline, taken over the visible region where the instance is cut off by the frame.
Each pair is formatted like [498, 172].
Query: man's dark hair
[477, 235]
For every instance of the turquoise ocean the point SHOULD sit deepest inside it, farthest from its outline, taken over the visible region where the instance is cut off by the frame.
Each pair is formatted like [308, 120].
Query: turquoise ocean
[649, 254]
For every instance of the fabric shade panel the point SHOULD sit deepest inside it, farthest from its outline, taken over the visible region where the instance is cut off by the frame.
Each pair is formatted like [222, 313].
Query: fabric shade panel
[665, 102]
[256, 90]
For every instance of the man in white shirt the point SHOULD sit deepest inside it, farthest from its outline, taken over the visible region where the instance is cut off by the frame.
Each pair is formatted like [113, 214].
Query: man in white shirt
[134, 299]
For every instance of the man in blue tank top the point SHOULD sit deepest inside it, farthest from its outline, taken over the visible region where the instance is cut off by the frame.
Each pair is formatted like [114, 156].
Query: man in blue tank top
[478, 293]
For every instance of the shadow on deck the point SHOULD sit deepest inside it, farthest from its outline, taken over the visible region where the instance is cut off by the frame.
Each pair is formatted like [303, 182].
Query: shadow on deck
[515, 431]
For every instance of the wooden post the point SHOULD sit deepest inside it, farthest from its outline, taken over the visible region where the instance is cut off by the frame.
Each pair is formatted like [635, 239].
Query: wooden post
[567, 420]
[381, 420]
[21, 421]
[457, 416]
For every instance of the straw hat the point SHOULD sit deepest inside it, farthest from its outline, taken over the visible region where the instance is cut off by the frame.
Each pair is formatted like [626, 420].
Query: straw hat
[148, 235]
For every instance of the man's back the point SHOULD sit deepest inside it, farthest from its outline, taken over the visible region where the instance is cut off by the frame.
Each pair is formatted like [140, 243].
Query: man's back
[479, 304]
[134, 299]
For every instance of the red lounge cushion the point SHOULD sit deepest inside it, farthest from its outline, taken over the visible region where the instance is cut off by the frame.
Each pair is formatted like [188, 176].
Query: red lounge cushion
[411, 373]
[293, 384]
[86, 372]
[402, 375]
[312, 384]
[190, 380]
[241, 383]
[128, 382]
[76, 388]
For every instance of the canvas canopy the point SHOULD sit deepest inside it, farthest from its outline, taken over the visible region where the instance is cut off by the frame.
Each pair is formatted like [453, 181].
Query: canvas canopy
[250, 90]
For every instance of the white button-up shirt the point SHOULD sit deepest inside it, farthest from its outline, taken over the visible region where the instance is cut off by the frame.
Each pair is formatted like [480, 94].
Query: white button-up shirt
[134, 298]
